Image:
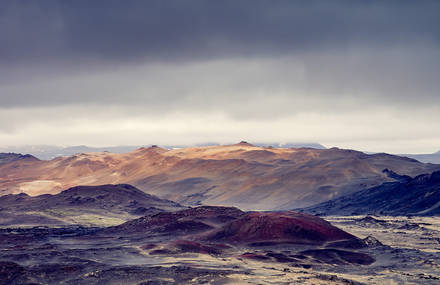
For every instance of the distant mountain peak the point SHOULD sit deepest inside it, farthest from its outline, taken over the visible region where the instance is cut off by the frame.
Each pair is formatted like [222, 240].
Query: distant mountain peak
[154, 148]
[394, 175]
[10, 157]
[244, 143]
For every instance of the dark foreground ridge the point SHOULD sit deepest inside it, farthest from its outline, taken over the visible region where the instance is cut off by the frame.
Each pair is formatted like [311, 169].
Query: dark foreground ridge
[418, 196]
[92, 205]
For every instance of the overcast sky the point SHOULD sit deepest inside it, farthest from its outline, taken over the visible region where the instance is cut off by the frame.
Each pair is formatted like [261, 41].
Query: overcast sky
[352, 74]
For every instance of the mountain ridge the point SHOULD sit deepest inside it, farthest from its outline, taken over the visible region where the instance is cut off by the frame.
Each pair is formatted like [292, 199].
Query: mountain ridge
[242, 175]
[48, 152]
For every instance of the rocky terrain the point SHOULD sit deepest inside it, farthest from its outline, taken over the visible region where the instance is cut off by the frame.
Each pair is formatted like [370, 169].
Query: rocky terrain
[205, 244]
[409, 247]
[242, 175]
[418, 196]
[224, 245]
[86, 205]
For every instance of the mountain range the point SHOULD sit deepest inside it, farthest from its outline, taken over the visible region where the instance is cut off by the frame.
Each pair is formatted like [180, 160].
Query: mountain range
[243, 175]
[48, 152]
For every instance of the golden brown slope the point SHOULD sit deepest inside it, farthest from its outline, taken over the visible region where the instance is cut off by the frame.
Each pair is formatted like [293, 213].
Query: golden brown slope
[242, 175]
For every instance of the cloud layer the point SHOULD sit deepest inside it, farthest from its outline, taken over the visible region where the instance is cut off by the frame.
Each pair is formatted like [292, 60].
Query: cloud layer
[361, 74]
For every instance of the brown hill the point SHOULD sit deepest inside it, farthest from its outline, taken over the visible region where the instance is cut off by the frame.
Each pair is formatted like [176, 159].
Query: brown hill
[242, 175]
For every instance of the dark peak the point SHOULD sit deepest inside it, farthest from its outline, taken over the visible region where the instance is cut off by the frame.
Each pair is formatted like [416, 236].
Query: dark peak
[394, 175]
[435, 177]
[343, 151]
[18, 196]
[387, 155]
[421, 179]
[11, 156]
[152, 148]
[23, 156]
[125, 186]
[370, 219]
[101, 188]
[371, 241]
[244, 143]
[123, 191]
[205, 211]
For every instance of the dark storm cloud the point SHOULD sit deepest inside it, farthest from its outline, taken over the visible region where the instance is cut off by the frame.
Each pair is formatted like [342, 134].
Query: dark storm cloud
[349, 73]
[375, 47]
[129, 30]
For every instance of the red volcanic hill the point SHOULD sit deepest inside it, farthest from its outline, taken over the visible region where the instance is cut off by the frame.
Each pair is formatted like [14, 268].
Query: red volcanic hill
[232, 226]
[227, 230]
[242, 175]
[288, 227]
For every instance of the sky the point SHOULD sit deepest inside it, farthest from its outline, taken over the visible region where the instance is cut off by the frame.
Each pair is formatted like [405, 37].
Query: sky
[352, 74]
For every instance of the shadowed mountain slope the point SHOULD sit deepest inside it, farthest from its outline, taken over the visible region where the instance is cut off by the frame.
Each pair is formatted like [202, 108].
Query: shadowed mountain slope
[242, 175]
[104, 204]
[411, 196]
[11, 157]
